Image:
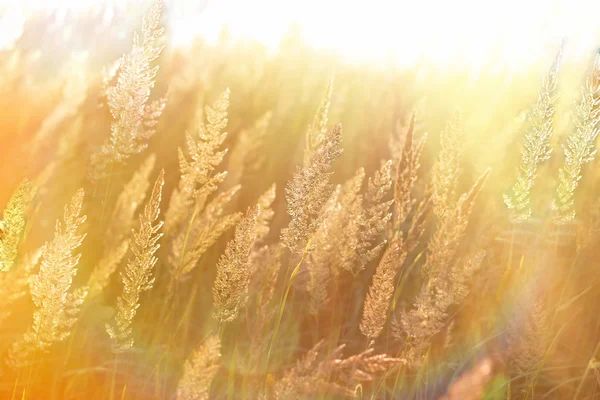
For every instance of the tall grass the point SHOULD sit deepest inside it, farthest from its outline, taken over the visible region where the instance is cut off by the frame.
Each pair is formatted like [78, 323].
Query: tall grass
[435, 247]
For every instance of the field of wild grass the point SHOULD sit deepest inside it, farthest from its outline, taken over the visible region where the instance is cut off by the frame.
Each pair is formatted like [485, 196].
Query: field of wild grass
[217, 222]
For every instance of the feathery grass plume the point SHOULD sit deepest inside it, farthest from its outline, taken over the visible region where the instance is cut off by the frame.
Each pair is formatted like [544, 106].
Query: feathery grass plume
[137, 276]
[233, 269]
[75, 300]
[449, 334]
[19, 355]
[14, 284]
[376, 212]
[533, 338]
[361, 221]
[264, 217]
[189, 245]
[103, 271]
[56, 306]
[379, 186]
[12, 225]
[134, 116]
[580, 148]
[406, 176]
[447, 168]
[247, 156]
[397, 139]
[355, 229]
[261, 308]
[108, 73]
[443, 246]
[471, 384]
[317, 131]
[462, 271]
[130, 199]
[530, 340]
[417, 227]
[537, 147]
[309, 191]
[199, 371]
[325, 373]
[74, 94]
[266, 262]
[428, 317]
[356, 223]
[198, 179]
[377, 303]
[320, 261]
[347, 219]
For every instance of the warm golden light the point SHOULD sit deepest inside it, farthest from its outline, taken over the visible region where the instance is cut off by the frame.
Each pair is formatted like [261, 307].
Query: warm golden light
[471, 33]
[467, 32]
[307, 199]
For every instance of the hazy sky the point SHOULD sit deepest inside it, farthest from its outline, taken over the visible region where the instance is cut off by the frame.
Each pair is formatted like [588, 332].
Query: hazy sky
[458, 31]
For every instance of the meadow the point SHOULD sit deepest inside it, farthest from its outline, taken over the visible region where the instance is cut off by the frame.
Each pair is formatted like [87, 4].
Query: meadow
[220, 222]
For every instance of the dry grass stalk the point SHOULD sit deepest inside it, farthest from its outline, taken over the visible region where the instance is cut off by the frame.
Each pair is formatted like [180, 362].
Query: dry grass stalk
[137, 276]
[443, 246]
[12, 225]
[317, 131]
[261, 308]
[56, 307]
[397, 139]
[74, 94]
[447, 169]
[14, 284]
[264, 217]
[320, 261]
[445, 278]
[199, 371]
[429, 315]
[380, 293]
[537, 147]
[319, 373]
[417, 227]
[376, 214]
[234, 269]
[356, 223]
[247, 156]
[206, 228]
[134, 116]
[266, 262]
[103, 271]
[198, 179]
[378, 187]
[309, 191]
[530, 337]
[345, 221]
[406, 176]
[131, 198]
[580, 148]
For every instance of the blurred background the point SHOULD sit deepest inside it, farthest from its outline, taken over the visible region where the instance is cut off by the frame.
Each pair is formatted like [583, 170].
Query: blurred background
[486, 58]
[463, 33]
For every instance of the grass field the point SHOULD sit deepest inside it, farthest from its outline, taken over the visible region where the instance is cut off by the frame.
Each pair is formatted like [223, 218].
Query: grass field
[224, 221]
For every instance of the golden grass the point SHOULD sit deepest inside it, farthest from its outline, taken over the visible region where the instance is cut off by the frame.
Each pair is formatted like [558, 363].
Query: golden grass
[394, 258]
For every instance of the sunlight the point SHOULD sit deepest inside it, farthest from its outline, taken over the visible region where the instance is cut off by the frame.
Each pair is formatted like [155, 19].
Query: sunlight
[467, 32]
[471, 33]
